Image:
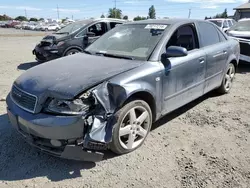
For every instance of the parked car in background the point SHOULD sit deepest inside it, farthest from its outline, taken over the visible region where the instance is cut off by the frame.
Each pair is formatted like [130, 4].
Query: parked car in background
[109, 96]
[73, 38]
[222, 23]
[50, 27]
[2, 23]
[11, 24]
[241, 31]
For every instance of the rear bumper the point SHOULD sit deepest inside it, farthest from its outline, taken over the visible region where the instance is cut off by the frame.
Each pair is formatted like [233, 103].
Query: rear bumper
[40, 129]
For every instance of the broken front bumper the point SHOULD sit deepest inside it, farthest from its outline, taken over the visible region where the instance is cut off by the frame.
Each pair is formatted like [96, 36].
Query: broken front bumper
[46, 53]
[41, 130]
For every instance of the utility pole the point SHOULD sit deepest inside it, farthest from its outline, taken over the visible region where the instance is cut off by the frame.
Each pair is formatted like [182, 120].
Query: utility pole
[57, 12]
[189, 14]
[25, 12]
[115, 8]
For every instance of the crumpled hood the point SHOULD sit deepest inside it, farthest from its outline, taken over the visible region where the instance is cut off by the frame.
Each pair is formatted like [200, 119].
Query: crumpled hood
[69, 76]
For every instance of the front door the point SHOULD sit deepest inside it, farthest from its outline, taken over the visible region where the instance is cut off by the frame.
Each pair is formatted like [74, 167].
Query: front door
[184, 78]
[98, 29]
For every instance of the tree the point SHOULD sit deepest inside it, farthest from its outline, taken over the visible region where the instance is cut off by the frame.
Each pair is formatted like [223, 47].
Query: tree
[137, 18]
[41, 19]
[151, 12]
[115, 13]
[21, 18]
[33, 19]
[224, 14]
[125, 17]
[102, 16]
[5, 17]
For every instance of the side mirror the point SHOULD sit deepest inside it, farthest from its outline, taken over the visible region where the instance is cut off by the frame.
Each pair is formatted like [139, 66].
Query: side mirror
[176, 51]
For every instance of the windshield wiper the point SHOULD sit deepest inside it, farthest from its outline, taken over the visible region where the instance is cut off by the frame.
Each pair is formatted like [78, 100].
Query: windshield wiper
[62, 33]
[87, 52]
[114, 55]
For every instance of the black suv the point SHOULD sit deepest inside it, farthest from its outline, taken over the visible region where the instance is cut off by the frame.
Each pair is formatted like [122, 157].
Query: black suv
[73, 38]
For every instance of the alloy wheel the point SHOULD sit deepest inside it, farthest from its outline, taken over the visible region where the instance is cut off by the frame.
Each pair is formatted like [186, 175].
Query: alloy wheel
[229, 77]
[134, 127]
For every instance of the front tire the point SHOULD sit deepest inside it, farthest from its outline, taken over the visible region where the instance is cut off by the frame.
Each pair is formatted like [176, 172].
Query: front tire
[227, 81]
[72, 52]
[134, 121]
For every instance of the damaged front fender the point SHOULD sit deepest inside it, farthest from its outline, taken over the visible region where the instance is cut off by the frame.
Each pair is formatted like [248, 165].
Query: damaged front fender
[111, 97]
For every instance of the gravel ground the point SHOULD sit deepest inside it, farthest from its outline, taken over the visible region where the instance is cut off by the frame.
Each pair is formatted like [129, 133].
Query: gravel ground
[204, 144]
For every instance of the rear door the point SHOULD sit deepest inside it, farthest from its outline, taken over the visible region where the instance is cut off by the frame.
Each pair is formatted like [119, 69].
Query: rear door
[215, 46]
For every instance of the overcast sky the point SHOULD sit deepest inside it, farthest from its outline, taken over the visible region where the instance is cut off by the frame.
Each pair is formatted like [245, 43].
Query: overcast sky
[81, 9]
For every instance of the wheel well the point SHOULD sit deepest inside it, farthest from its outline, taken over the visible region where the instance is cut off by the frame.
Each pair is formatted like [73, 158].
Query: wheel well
[148, 98]
[73, 48]
[234, 62]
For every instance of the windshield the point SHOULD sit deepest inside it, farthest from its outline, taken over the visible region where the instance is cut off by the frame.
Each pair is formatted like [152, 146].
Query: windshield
[134, 40]
[217, 22]
[241, 26]
[71, 28]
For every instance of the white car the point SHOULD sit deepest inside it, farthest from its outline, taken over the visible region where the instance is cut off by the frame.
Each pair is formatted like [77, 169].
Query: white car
[50, 27]
[222, 23]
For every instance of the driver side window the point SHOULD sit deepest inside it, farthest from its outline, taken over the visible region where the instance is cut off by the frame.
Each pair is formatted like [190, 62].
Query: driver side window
[98, 28]
[185, 37]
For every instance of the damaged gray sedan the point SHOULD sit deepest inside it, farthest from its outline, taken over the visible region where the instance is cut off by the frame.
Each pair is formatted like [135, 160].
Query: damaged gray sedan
[108, 96]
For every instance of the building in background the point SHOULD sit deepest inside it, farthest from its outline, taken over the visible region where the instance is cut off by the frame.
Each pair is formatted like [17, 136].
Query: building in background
[242, 11]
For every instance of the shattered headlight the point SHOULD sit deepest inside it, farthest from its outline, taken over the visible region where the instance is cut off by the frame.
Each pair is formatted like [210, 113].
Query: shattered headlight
[71, 107]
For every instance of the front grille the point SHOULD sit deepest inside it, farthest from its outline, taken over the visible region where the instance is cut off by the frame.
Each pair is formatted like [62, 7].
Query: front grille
[245, 48]
[23, 99]
[44, 43]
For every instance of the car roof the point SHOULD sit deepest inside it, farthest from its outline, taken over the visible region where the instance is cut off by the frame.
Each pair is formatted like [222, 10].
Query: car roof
[88, 21]
[244, 19]
[171, 21]
[220, 19]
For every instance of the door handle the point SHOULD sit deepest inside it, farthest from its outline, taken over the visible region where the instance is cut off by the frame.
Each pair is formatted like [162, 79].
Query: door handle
[224, 52]
[202, 60]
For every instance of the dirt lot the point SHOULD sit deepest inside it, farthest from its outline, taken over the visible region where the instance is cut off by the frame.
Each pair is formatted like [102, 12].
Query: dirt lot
[204, 144]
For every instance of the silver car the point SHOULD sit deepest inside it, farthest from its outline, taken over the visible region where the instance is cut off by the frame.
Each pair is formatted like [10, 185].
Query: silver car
[109, 96]
[241, 31]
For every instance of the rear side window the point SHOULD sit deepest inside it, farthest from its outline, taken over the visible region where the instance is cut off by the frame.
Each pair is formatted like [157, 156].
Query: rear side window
[230, 23]
[208, 33]
[113, 24]
[225, 24]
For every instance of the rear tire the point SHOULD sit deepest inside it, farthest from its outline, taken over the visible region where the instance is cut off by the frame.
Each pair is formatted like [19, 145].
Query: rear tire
[227, 81]
[134, 121]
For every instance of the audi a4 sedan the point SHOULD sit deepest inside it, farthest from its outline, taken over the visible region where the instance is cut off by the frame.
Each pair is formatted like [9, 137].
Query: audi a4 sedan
[108, 96]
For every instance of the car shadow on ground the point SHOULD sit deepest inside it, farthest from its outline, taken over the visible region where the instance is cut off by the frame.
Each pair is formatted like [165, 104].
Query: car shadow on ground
[243, 67]
[20, 161]
[27, 65]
